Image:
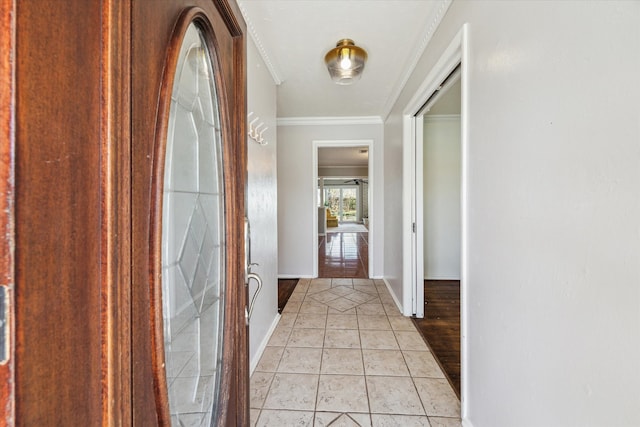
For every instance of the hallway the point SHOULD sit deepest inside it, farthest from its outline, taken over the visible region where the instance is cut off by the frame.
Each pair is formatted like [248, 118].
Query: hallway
[343, 354]
[343, 254]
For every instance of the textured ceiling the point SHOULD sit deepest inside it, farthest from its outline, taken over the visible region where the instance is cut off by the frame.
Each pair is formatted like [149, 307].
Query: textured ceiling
[294, 35]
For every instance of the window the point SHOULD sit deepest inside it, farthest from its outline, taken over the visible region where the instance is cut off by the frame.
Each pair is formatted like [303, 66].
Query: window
[343, 202]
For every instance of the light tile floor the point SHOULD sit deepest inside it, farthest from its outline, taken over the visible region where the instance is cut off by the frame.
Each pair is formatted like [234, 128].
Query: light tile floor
[343, 355]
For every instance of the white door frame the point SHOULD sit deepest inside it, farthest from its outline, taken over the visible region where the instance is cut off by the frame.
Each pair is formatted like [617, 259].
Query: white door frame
[342, 143]
[412, 237]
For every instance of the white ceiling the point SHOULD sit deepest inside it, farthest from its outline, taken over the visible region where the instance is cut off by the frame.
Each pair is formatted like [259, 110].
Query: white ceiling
[294, 35]
[343, 156]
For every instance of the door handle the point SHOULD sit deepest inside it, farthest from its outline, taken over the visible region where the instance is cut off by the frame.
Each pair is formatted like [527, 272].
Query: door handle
[257, 278]
[247, 268]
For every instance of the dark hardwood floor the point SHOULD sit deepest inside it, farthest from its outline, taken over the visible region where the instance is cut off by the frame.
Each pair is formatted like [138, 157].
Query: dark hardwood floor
[285, 289]
[343, 254]
[441, 325]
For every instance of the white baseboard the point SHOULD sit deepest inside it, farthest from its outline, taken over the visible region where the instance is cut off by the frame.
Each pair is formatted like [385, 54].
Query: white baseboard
[466, 423]
[263, 345]
[393, 295]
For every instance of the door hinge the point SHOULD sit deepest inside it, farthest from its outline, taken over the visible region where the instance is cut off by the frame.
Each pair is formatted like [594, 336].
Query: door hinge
[413, 227]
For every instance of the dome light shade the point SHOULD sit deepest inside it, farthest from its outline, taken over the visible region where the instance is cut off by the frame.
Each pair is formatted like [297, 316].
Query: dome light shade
[345, 62]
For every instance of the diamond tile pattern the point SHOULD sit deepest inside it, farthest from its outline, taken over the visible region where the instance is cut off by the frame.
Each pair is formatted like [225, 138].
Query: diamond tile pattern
[343, 298]
[351, 365]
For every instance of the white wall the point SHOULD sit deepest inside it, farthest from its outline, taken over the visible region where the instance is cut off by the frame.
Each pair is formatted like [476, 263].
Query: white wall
[393, 251]
[552, 279]
[262, 200]
[441, 188]
[296, 193]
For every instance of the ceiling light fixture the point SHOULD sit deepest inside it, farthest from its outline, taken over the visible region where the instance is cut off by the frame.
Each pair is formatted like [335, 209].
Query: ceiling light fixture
[345, 62]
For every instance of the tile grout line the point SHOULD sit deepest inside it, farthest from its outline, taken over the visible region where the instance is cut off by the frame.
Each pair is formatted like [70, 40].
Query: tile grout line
[315, 406]
[364, 371]
[358, 318]
[284, 348]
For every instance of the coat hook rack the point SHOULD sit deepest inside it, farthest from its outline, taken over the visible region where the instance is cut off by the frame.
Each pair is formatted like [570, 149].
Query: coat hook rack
[256, 129]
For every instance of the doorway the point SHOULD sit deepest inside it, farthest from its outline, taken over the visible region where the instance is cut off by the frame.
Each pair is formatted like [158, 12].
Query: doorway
[440, 222]
[420, 217]
[342, 177]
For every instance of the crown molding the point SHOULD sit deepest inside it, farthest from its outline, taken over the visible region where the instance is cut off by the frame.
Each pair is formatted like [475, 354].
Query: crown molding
[409, 67]
[329, 121]
[273, 70]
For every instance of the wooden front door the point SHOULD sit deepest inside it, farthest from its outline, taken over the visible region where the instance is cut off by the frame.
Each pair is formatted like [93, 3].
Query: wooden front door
[95, 157]
[189, 96]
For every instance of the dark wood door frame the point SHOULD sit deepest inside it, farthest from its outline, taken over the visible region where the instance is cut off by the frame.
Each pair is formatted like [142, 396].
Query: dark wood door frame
[67, 260]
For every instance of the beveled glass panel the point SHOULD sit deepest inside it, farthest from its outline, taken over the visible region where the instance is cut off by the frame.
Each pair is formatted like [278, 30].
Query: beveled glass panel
[193, 238]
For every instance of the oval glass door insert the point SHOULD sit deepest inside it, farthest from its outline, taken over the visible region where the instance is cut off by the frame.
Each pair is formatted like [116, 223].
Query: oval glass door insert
[193, 238]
